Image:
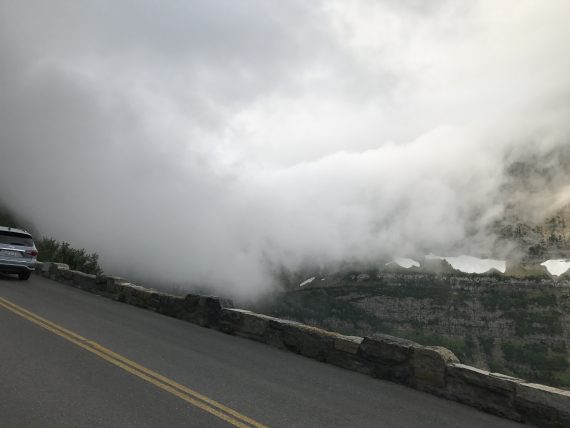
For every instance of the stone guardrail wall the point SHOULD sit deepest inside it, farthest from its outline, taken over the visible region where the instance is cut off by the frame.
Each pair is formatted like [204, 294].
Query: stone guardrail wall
[431, 369]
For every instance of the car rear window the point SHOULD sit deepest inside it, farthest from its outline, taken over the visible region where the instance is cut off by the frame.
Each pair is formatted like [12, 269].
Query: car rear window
[15, 238]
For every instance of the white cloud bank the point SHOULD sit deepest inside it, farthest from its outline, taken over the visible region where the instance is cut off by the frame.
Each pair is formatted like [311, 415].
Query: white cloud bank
[212, 142]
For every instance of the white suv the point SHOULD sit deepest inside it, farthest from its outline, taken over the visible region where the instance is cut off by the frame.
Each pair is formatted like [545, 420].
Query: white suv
[18, 253]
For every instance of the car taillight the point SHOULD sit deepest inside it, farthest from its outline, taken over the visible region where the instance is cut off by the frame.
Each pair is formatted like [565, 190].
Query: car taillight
[32, 253]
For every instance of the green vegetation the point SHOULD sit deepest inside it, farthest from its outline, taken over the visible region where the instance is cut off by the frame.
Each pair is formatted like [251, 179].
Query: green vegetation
[562, 378]
[534, 311]
[61, 252]
[528, 323]
[538, 356]
[486, 344]
[538, 362]
[317, 306]
[504, 299]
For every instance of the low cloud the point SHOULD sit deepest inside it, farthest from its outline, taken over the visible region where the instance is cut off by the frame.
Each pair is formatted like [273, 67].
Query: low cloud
[206, 143]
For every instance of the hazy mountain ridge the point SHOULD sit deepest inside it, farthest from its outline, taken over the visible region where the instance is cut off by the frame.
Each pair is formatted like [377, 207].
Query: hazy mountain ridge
[536, 193]
[539, 241]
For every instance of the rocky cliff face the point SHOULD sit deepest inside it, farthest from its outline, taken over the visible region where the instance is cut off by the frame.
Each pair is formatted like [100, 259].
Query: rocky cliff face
[536, 200]
[548, 238]
[514, 326]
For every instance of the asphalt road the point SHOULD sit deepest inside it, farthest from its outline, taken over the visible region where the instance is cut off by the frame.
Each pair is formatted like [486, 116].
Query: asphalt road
[48, 380]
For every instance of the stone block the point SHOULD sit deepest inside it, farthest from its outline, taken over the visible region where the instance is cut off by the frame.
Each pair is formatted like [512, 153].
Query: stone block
[385, 348]
[543, 405]
[345, 354]
[389, 357]
[136, 295]
[192, 301]
[254, 326]
[66, 276]
[38, 268]
[113, 286]
[491, 392]
[46, 266]
[113, 290]
[173, 306]
[430, 364]
[62, 266]
[231, 320]
[210, 310]
[55, 270]
[202, 310]
[348, 344]
[276, 331]
[84, 281]
[309, 341]
[154, 300]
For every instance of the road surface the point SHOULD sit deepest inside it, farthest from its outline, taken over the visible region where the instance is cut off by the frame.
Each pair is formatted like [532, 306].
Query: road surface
[73, 359]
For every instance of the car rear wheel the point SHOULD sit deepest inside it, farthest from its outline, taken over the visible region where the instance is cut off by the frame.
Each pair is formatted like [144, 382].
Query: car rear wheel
[24, 275]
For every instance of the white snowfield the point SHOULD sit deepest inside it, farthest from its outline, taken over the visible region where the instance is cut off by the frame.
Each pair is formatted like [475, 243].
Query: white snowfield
[557, 267]
[470, 264]
[307, 281]
[404, 262]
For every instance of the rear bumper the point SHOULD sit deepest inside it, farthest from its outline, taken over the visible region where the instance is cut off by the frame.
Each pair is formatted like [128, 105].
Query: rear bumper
[6, 267]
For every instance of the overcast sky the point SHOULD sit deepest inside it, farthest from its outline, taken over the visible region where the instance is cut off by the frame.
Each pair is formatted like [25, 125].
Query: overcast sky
[215, 141]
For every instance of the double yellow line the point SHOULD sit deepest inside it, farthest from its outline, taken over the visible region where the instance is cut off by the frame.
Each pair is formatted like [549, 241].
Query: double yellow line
[196, 399]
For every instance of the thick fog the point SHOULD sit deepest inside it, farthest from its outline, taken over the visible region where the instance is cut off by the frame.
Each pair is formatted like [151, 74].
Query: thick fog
[216, 142]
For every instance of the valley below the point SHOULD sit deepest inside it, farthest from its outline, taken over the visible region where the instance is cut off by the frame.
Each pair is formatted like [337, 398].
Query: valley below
[516, 326]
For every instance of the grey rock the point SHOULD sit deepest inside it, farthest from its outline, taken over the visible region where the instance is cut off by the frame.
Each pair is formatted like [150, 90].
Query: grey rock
[254, 325]
[231, 320]
[67, 275]
[494, 393]
[389, 357]
[84, 280]
[309, 341]
[39, 268]
[348, 344]
[345, 354]
[430, 366]
[278, 333]
[210, 309]
[543, 405]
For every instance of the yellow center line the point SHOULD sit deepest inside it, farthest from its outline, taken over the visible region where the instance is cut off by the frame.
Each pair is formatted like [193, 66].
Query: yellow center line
[196, 399]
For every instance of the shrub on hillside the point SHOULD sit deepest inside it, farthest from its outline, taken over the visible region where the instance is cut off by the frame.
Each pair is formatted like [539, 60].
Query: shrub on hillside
[51, 250]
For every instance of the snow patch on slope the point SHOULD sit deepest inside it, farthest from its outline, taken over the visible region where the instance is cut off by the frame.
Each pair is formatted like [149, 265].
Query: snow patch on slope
[307, 281]
[557, 267]
[470, 264]
[404, 262]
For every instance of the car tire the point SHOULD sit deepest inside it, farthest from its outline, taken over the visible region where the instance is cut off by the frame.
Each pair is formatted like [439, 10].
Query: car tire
[24, 275]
